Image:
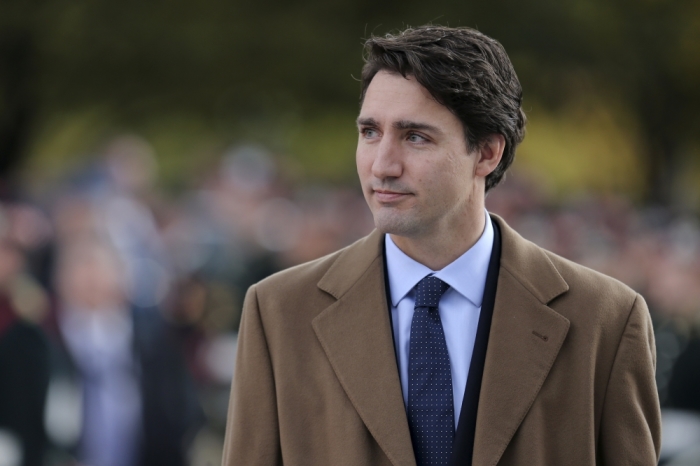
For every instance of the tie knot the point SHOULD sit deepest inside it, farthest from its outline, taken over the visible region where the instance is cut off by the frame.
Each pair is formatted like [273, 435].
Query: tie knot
[429, 290]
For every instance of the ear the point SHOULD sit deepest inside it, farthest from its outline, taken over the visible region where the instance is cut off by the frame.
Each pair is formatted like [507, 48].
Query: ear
[489, 154]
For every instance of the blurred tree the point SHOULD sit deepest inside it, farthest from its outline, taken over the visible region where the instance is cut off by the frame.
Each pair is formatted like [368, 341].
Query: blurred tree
[643, 55]
[221, 61]
[18, 103]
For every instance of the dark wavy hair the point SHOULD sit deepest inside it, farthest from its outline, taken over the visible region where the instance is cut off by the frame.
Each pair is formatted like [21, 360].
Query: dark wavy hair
[464, 70]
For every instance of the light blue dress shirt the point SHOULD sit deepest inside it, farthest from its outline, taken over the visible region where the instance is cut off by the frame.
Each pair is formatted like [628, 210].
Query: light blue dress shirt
[459, 309]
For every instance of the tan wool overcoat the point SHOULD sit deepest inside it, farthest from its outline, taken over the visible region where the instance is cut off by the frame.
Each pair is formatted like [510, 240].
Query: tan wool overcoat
[568, 378]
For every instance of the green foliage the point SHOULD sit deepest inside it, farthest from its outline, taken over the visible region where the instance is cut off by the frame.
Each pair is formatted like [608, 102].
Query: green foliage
[226, 70]
[587, 146]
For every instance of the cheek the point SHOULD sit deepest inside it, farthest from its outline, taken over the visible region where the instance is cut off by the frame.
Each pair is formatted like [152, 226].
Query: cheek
[432, 174]
[363, 159]
[451, 184]
[462, 171]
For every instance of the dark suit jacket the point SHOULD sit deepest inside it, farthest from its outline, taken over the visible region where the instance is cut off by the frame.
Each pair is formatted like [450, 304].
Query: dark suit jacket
[24, 380]
[568, 377]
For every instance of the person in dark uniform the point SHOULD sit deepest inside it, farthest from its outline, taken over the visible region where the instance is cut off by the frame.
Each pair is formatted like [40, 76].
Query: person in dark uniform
[24, 371]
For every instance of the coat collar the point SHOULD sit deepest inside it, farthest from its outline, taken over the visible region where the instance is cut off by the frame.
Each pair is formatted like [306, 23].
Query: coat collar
[524, 340]
[529, 264]
[355, 333]
[352, 263]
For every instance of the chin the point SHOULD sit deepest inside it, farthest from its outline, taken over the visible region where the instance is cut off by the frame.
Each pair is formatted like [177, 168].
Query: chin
[400, 225]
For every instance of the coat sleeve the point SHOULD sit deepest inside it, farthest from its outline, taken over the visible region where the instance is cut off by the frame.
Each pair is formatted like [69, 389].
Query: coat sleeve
[252, 429]
[630, 430]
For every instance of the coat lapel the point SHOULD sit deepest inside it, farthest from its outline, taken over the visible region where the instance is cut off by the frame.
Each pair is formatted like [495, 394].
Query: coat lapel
[524, 341]
[356, 335]
[525, 338]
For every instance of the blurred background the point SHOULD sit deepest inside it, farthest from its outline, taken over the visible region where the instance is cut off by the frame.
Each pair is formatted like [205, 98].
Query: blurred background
[157, 158]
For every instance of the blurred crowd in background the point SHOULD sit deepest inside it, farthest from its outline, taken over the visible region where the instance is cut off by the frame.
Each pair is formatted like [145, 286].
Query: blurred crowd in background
[119, 303]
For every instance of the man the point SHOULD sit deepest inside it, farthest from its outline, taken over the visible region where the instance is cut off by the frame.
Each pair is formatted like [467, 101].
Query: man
[24, 368]
[138, 403]
[443, 337]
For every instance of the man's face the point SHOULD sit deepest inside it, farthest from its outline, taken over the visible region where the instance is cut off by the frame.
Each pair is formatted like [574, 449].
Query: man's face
[416, 172]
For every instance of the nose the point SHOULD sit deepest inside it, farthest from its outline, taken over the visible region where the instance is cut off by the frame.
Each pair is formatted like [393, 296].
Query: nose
[387, 161]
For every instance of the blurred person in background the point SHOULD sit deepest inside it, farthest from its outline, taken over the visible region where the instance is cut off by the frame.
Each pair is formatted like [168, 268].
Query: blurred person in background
[134, 403]
[684, 385]
[24, 370]
[342, 360]
[113, 198]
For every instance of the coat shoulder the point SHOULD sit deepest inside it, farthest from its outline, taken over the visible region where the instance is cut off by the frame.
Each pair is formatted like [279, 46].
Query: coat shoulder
[584, 280]
[594, 302]
[320, 281]
[555, 280]
[302, 276]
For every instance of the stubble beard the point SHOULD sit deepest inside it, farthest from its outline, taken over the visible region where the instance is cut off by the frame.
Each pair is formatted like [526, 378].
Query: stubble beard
[395, 222]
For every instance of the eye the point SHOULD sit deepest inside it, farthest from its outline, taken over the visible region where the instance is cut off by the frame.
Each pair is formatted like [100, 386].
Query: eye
[369, 133]
[417, 138]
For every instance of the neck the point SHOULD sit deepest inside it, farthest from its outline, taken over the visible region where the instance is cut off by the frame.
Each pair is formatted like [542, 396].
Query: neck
[436, 251]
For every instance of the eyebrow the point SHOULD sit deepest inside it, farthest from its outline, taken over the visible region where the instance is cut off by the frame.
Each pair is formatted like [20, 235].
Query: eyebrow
[407, 124]
[366, 122]
[401, 125]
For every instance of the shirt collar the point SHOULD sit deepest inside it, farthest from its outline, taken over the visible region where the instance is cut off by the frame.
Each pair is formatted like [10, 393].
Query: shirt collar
[466, 274]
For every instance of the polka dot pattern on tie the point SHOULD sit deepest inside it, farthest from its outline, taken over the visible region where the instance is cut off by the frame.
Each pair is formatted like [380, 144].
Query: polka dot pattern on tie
[430, 402]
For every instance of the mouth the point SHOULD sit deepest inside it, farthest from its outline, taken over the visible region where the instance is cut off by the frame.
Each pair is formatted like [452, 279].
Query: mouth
[385, 196]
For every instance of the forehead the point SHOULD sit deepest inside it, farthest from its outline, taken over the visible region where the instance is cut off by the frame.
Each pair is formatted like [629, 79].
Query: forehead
[390, 97]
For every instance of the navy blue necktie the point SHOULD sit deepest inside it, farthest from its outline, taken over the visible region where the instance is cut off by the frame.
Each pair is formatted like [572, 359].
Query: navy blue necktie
[430, 402]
